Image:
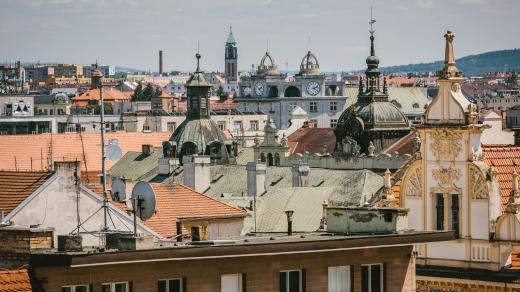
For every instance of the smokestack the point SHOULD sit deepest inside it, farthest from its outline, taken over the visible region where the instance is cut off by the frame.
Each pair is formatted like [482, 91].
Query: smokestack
[160, 62]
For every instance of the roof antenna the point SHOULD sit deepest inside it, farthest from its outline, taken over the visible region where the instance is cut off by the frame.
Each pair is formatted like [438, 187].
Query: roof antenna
[267, 46]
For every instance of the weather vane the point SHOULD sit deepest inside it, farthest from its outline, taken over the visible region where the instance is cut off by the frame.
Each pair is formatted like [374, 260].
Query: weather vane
[372, 21]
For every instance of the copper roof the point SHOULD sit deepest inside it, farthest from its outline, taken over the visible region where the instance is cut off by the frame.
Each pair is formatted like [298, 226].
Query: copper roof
[15, 187]
[33, 152]
[505, 159]
[18, 280]
[312, 140]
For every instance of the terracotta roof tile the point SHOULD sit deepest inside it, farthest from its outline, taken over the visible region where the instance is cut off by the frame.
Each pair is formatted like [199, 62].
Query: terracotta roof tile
[32, 152]
[109, 94]
[505, 159]
[311, 139]
[403, 145]
[175, 202]
[515, 260]
[15, 187]
[18, 280]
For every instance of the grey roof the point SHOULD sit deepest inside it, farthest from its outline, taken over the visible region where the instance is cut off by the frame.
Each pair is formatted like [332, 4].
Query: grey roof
[350, 186]
[197, 79]
[200, 132]
[135, 165]
[43, 99]
[306, 203]
[245, 155]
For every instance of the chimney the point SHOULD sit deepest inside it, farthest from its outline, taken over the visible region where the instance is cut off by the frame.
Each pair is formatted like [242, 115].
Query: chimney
[255, 178]
[300, 174]
[160, 62]
[70, 169]
[147, 149]
[196, 172]
[178, 228]
[289, 221]
[17, 243]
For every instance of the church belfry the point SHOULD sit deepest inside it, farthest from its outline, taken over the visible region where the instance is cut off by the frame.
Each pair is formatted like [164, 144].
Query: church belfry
[198, 91]
[231, 58]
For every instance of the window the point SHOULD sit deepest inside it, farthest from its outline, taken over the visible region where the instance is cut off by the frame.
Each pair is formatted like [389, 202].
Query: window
[455, 214]
[292, 281]
[333, 123]
[171, 126]
[221, 125]
[314, 123]
[146, 127]
[254, 125]
[292, 105]
[75, 288]
[333, 106]
[439, 211]
[115, 287]
[339, 279]
[313, 106]
[232, 283]
[237, 125]
[171, 285]
[372, 278]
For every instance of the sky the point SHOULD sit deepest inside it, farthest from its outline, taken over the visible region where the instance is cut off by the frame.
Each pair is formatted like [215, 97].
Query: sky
[129, 33]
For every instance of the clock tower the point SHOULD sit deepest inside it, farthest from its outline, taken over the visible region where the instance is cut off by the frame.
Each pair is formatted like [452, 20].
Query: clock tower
[231, 58]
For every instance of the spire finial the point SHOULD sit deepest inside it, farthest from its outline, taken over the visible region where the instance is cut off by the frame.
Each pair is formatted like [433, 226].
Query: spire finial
[267, 50]
[372, 30]
[449, 58]
[197, 55]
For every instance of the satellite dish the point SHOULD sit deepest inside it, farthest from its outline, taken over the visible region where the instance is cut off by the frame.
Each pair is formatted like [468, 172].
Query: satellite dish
[112, 150]
[118, 189]
[143, 200]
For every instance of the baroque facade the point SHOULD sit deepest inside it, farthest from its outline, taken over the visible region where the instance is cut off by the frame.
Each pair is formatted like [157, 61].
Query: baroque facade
[448, 186]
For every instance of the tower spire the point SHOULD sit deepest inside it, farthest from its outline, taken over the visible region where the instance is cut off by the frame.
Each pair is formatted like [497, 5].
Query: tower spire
[449, 70]
[197, 55]
[372, 30]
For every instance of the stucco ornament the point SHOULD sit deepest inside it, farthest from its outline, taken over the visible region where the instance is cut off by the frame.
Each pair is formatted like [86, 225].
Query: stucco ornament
[446, 144]
[477, 183]
[414, 187]
[446, 176]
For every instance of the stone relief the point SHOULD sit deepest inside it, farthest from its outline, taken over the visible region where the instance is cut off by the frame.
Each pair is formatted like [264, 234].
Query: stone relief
[446, 176]
[477, 184]
[446, 144]
[414, 186]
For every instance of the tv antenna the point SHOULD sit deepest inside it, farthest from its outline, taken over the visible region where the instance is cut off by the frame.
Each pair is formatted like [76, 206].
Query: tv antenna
[143, 202]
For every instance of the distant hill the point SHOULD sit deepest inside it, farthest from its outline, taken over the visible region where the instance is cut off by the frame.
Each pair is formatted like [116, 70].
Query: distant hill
[473, 65]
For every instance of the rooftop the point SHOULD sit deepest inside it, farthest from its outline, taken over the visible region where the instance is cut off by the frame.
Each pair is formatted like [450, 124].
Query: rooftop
[505, 159]
[311, 140]
[15, 187]
[18, 280]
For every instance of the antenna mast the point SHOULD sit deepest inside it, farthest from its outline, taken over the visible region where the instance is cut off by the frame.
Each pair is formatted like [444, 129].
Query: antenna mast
[103, 159]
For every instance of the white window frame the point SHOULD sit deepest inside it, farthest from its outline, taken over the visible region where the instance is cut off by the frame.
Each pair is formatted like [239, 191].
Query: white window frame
[333, 106]
[168, 282]
[113, 286]
[334, 275]
[381, 276]
[239, 283]
[171, 126]
[251, 123]
[313, 106]
[73, 287]
[221, 125]
[335, 122]
[300, 278]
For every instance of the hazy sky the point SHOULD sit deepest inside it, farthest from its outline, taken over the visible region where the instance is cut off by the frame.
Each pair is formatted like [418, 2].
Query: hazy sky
[130, 32]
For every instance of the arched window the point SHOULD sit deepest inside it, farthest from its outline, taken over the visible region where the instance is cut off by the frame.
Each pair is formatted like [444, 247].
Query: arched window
[277, 159]
[292, 91]
[262, 157]
[397, 104]
[270, 159]
[415, 105]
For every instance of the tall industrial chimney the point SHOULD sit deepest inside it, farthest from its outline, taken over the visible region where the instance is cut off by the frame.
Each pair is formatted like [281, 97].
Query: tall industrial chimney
[160, 63]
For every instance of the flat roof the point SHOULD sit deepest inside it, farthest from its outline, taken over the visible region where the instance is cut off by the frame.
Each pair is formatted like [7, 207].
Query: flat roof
[244, 247]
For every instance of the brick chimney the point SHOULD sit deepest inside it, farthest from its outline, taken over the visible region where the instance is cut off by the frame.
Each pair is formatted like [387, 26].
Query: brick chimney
[196, 172]
[300, 174]
[255, 178]
[17, 242]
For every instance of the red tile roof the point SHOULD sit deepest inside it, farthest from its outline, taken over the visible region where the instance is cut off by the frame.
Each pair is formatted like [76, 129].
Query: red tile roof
[15, 187]
[18, 280]
[311, 139]
[32, 152]
[505, 159]
[515, 260]
[177, 201]
[403, 145]
[109, 94]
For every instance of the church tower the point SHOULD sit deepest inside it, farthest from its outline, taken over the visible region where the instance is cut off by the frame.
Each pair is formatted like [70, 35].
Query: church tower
[231, 58]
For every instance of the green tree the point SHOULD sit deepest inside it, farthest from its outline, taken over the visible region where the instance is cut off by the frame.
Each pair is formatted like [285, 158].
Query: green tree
[96, 109]
[157, 92]
[148, 92]
[220, 93]
[513, 79]
[138, 93]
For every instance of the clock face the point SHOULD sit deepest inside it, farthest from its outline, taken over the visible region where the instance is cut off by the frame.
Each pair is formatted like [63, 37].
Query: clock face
[313, 88]
[259, 88]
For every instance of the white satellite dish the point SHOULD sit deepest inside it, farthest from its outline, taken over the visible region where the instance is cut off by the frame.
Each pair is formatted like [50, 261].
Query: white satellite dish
[143, 200]
[118, 189]
[113, 151]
